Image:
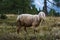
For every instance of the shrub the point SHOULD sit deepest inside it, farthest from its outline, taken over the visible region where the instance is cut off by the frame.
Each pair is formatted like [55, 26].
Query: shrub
[2, 16]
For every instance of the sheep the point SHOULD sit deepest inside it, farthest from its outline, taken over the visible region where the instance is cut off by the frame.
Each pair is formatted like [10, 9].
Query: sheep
[28, 20]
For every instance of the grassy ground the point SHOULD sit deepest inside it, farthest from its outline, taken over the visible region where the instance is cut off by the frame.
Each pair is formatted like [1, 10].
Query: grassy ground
[49, 30]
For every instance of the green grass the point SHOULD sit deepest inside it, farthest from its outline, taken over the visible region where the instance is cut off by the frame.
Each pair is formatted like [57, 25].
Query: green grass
[46, 31]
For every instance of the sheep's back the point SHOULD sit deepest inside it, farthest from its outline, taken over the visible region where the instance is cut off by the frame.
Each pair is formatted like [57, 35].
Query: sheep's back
[26, 20]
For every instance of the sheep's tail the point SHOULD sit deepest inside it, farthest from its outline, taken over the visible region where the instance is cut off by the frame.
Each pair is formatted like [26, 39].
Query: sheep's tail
[18, 24]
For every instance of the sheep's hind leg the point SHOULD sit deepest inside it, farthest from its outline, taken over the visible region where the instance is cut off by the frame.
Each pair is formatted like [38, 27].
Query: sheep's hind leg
[18, 29]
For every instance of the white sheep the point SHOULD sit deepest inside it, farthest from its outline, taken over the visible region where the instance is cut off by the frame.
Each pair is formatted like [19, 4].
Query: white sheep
[28, 20]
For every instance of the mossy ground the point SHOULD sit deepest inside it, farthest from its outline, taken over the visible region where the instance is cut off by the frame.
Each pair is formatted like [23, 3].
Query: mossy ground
[49, 30]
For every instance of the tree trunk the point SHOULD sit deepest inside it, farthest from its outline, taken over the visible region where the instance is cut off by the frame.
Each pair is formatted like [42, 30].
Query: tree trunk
[45, 7]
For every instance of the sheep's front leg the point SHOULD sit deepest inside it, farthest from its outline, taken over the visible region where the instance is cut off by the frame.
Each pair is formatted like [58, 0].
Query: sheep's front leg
[34, 27]
[35, 30]
[41, 22]
[25, 29]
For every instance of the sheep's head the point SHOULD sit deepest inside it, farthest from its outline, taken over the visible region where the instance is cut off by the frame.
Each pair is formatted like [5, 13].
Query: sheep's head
[42, 15]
